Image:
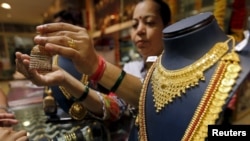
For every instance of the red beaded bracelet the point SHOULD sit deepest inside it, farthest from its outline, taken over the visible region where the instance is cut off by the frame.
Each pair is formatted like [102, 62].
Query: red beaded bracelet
[99, 71]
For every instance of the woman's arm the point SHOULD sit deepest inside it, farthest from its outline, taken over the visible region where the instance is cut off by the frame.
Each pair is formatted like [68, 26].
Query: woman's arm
[85, 57]
[130, 87]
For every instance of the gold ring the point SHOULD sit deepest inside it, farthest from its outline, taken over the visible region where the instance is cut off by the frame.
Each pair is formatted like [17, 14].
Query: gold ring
[71, 43]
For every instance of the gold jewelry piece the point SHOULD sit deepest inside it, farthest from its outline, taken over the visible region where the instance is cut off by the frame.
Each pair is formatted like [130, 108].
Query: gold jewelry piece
[77, 111]
[65, 92]
[209, 107]
[84, 80]
[214, 98]
[71, 43]
[40, 59]
[141, 118]
[49, 103]
[70, 137]
[169, 84]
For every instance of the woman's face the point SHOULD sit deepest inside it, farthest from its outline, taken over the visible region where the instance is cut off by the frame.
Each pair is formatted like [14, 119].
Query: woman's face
[146, 32]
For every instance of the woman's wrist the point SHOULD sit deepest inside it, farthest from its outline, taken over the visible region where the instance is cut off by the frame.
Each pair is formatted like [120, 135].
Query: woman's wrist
[84, 94]
[4, 109]
[98, 73]
[67, 80]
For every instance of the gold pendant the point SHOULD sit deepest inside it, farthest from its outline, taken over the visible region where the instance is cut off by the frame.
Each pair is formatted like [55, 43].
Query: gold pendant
[40, 59]
[77, 111]
[49, 102]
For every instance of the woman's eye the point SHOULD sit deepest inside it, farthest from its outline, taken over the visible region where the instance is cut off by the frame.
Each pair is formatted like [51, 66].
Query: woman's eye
[150, 23]
[135, 25]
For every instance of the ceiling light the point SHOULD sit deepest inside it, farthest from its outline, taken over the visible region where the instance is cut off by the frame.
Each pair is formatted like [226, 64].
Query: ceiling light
[5, 6]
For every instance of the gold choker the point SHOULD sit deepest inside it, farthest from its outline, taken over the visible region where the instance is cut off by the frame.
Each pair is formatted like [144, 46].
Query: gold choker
[169, 84]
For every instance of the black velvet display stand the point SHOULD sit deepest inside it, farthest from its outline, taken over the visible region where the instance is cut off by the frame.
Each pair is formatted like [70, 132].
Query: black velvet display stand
[185, 42]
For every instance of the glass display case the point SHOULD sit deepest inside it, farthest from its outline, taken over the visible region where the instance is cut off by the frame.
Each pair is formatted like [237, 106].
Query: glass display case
[9, 44]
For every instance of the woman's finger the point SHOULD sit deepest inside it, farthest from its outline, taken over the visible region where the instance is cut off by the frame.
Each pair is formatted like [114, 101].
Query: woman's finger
[20, 136]
[54, 27]
[6, 115]
[22, 64]
[65, 51]
[59, 40]
[24, 138]
[8, 122]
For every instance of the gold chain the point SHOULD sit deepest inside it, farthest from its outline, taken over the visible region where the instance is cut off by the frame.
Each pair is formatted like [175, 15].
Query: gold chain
[211, 104]
[141, 118]
[77, 111]
[214, 98]
[169, 84]
[84, 80]
[65, 92]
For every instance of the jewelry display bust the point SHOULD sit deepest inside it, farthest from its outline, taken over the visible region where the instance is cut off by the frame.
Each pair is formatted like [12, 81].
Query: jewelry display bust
[188, 87]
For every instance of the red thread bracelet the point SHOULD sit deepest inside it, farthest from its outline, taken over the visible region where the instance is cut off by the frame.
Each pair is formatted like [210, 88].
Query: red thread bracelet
[99, 71]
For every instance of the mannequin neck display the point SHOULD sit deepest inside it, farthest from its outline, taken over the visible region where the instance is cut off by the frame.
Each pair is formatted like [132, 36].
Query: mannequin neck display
[187, 41]
[185, 76]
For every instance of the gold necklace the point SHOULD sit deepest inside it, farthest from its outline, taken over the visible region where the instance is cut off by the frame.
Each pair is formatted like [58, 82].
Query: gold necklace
[214, 97]
[84, 80]
[169, 84]
[211, 104]
[77, 111]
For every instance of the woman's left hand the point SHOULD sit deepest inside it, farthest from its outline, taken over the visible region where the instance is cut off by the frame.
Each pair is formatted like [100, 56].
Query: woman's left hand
[55, 77]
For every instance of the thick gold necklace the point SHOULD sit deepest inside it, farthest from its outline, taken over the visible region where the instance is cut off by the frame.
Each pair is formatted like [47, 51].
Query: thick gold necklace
[211, 103]
[169, 84]
[214, 97]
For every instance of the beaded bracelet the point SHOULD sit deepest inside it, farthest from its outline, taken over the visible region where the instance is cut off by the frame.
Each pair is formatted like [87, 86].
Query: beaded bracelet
[105, 114]
[118, 81]
[99, 71]
[103, 105]
[84, 95]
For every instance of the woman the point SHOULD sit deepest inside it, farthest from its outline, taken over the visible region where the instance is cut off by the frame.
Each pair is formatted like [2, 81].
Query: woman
[149, 18]
[146, 33]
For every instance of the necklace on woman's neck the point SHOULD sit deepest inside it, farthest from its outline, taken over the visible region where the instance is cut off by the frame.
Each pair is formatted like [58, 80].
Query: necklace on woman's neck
[169, 84]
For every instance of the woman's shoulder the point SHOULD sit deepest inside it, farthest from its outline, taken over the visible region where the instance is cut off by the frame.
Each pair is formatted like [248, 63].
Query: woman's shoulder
[134, 67]
[134, 63]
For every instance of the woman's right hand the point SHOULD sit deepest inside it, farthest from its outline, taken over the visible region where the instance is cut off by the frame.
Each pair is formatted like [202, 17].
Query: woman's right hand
[70, 41]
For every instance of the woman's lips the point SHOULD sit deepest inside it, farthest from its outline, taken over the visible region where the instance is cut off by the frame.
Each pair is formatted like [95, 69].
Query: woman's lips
[140, 44]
